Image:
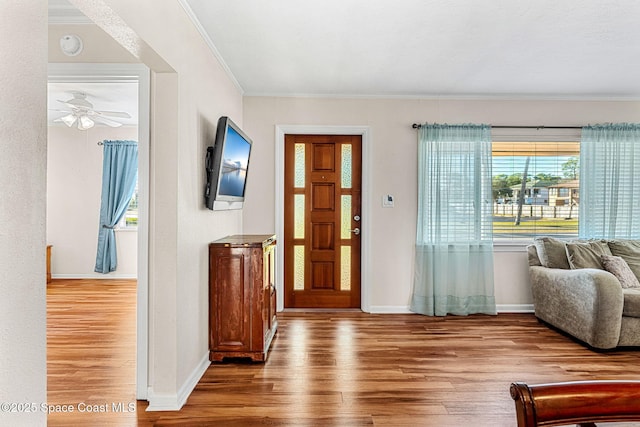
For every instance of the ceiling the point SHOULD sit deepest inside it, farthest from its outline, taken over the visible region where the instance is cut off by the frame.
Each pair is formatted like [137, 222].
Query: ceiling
[427, 48]
[514, 49]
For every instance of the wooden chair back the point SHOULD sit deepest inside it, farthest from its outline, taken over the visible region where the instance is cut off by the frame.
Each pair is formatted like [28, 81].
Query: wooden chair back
[582, 402]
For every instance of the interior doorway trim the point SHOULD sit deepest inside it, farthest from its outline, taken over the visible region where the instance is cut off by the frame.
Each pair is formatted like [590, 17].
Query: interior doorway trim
[365, 132]
[101, 73]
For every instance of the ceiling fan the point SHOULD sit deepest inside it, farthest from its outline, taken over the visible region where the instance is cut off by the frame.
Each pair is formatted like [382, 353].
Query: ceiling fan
[82, 114]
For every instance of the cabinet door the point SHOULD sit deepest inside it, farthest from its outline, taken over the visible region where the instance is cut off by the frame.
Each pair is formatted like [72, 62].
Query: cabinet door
[231, 299]
[271, 267]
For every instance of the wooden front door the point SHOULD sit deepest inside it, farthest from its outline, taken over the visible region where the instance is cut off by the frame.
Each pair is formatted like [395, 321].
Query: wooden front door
[322, 221]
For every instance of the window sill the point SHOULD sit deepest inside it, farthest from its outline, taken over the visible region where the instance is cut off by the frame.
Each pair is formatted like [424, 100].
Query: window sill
[127, 229]
[511, 246]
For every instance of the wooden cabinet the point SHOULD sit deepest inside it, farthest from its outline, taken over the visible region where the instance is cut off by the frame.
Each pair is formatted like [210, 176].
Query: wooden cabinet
[242, 297]
[49, 263]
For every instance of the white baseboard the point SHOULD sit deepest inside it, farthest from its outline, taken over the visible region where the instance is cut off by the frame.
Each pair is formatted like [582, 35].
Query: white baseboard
[390, 309]
[162, 401]
[174, 402]
[400, 309]
[94, 276]
[515, 308]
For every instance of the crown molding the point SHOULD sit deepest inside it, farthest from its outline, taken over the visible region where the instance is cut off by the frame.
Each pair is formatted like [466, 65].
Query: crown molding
[64, 13]
[448, 97]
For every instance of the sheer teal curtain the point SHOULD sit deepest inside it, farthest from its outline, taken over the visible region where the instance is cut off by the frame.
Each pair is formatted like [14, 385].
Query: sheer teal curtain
[610, 181]
[454, 242]
[119, 176]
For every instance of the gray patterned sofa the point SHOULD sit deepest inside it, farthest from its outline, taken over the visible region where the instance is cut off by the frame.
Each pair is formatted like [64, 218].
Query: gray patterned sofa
[589, 289]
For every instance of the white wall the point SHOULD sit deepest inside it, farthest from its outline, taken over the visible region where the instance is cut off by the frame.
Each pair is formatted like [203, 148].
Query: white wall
[74, 183]
[23, 121]
[393, 166]
[98, 46]
[190, 90]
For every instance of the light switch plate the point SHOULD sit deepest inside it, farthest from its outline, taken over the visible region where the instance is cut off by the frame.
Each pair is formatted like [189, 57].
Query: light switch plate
[387, 201]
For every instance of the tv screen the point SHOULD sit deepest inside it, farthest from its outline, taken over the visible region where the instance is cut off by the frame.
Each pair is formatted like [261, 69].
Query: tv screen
[227, 165]
[235, 159]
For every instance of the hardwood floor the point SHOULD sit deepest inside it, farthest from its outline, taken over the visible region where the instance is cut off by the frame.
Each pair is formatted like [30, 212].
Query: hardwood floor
[91, 348]
[324, 369]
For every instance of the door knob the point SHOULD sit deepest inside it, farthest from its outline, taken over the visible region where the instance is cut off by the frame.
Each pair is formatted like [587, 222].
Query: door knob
[356, 217]
[355, 231]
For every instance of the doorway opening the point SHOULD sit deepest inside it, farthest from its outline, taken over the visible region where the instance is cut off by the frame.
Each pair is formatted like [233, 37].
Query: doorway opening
[108, 78]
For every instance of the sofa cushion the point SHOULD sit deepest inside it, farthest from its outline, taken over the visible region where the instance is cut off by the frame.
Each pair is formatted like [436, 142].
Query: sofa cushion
[629, 250]
[631, 305]
[532, 256]
[551, 252]
[619, 268]
[587, 254]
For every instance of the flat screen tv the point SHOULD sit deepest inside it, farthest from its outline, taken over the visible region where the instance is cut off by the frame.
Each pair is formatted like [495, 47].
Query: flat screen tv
[227, 163]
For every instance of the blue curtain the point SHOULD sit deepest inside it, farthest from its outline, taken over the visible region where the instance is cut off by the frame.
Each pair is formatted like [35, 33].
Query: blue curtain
[454, 242]
[610, 181]
[119, 176]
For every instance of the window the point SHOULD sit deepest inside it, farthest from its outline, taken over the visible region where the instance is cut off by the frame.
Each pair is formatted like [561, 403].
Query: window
[130, 219]
[535, 187]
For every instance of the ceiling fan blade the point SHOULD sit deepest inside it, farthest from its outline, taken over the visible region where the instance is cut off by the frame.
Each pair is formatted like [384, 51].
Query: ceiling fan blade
[118, 114]
[79, 100]
[82, 112]
[69, 105]
[106, 121]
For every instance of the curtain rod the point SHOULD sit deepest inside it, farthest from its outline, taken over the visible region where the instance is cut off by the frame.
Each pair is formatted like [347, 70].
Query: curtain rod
[418, 126]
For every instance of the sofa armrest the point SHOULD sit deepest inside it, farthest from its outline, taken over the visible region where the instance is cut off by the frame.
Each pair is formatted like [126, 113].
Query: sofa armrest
[586, 303]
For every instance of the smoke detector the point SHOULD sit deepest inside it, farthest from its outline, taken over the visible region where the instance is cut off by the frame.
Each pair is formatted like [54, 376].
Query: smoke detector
[71, 44]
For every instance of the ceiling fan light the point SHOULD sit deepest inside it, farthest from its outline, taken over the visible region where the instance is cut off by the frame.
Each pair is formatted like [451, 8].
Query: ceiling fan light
[85, 123]
[68, 120]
